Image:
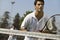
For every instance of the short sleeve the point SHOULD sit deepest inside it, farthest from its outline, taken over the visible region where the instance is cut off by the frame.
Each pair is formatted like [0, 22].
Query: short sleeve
[25, 22]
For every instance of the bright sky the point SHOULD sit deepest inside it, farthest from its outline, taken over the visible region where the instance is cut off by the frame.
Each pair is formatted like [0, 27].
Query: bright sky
[21, 6]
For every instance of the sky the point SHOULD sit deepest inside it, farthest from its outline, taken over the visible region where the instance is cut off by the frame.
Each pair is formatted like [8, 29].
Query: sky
[21, 6]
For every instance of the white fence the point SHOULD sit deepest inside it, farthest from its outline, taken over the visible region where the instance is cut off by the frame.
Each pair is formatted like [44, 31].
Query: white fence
[31, 34]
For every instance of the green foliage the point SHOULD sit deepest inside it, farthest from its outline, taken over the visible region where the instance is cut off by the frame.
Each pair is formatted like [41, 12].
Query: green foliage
[5, 18]
[16, 21]
[4, 24]
[21, 19]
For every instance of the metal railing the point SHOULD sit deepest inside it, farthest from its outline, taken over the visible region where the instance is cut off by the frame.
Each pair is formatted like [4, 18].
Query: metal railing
[30, 34]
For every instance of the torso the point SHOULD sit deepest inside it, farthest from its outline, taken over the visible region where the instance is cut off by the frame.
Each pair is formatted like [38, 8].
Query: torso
[36, 24]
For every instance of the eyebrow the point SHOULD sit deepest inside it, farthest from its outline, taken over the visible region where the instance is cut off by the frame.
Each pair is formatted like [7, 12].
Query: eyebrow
[40, 4]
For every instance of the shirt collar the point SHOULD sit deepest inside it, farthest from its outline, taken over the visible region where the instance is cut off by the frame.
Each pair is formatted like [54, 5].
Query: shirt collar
[35, 16]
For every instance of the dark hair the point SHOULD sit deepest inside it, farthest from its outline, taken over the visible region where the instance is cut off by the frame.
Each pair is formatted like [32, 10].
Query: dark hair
[38, 0]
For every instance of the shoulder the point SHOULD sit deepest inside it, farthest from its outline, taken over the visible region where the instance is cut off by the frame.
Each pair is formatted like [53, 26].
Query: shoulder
[29, 16]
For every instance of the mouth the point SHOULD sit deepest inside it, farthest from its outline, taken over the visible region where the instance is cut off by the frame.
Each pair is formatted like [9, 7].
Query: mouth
[40, 10]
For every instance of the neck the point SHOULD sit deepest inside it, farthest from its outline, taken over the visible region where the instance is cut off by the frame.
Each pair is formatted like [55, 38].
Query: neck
[39, 15]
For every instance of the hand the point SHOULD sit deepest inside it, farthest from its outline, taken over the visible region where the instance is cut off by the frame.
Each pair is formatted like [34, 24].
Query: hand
[45, 31]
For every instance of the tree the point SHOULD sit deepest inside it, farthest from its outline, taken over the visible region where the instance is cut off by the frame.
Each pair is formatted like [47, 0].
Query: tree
[4, 24]
[5, 20]
[16, 21]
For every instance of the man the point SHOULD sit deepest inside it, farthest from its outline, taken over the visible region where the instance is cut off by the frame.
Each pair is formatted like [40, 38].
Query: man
[35, 21]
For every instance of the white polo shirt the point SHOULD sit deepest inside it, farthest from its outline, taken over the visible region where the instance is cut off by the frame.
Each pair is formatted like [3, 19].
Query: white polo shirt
[32, 24]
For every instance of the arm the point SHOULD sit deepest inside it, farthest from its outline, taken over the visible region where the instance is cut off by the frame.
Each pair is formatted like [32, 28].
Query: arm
[23, 29]
[24, 24]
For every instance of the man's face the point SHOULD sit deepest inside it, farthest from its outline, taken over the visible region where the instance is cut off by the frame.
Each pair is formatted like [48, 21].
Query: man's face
[39, 6]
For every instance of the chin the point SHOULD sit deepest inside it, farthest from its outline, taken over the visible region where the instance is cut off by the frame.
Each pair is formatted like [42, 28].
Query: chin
[39, 10]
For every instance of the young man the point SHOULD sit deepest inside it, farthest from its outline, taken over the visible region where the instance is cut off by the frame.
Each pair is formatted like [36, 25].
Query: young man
[35, 21]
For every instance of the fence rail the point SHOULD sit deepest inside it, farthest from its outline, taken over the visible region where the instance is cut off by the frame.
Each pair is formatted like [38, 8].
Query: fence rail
[30, 34]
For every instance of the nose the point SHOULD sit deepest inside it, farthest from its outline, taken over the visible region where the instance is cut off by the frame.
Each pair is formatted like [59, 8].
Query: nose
[40, 6]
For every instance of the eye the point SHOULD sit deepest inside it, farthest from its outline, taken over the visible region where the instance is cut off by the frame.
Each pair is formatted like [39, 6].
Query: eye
[40, 4]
